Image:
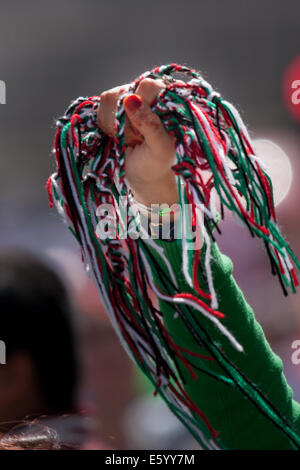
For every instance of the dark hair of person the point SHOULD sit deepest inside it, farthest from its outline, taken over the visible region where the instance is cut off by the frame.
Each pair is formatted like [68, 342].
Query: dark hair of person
[44, 439]
[36, 317]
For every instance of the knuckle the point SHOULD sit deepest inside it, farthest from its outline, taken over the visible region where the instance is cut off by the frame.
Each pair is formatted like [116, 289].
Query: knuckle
[112, 94]
[148, 89]
[106, 96]
[152, 122]
[147, 84]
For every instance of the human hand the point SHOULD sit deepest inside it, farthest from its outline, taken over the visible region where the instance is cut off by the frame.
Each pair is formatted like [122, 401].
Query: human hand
[150, 151]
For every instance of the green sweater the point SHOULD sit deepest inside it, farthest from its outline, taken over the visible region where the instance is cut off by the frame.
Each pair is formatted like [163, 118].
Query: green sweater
[238, 421]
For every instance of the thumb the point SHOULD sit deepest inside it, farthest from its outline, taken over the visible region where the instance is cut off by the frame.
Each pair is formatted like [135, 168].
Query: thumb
[147, 123]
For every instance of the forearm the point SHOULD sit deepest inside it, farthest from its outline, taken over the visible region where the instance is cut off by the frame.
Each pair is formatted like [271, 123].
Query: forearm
[241, 425]
[91, 172]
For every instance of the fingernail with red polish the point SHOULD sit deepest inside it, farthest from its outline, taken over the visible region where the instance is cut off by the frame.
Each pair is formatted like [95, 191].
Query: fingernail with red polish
[132, 103]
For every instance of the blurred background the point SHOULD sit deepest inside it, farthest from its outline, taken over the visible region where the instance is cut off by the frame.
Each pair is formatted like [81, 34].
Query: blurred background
[52, 52]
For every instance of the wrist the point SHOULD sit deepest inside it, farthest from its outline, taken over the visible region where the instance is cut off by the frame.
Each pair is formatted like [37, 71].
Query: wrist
[161, 191]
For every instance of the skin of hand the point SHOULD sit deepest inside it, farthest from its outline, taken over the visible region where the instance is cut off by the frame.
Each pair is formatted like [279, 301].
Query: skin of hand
[150, 150]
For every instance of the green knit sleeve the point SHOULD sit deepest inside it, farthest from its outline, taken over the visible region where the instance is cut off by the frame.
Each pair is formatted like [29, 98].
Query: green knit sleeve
[241, 424]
